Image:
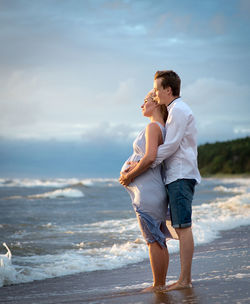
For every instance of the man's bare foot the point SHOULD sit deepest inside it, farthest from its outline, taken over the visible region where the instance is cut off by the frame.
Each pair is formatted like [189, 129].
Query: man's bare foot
[159, 288]
[178, 286]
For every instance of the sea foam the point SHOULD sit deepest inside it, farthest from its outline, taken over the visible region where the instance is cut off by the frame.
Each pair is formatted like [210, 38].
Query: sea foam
[67, 192]
[57, 182]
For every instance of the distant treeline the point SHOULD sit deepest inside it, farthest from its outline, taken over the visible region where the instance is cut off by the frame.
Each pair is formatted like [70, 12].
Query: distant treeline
[228, 157]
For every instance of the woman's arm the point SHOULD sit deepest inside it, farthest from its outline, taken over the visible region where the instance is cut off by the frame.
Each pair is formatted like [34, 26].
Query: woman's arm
[153, 140]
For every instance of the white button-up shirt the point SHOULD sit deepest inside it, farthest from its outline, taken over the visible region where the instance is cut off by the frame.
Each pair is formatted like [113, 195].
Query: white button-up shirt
[179, 150]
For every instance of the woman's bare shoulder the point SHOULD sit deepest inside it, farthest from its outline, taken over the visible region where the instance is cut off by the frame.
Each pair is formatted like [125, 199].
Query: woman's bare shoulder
[153, 128]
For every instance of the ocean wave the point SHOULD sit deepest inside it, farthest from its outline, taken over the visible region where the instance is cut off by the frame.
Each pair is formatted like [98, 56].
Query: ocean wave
[58, 182]
[110, 226]
[229, 185]
[67, 192]
[240, 181]
[8, 272]
[228, 190]
[49, 266]
[222, 214]
[75, 261]
[118, 242]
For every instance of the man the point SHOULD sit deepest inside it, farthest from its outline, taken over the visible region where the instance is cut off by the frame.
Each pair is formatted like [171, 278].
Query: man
[179, 152]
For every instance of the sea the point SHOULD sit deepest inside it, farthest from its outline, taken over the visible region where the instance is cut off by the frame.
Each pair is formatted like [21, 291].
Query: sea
[60, 226]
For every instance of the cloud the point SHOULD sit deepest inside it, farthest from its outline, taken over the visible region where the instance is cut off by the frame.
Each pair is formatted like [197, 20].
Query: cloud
[37, 104]
[68, 65]
[244, 6]
[125, 93]
[18, 99]
[221, 108]
[116, 5]
[107, 132]
[219, 24]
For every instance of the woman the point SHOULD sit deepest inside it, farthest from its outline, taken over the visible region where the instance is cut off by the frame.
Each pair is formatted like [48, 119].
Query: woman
[147, 190]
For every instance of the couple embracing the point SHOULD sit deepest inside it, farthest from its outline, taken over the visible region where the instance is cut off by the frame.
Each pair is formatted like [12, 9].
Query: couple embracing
[161, 175]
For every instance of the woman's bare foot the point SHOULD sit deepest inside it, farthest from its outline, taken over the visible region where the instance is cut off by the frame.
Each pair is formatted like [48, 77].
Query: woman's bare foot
[159, 288]
[178, 286]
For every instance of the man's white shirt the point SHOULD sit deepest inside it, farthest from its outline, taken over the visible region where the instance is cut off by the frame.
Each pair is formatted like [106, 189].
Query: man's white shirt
[179, 150]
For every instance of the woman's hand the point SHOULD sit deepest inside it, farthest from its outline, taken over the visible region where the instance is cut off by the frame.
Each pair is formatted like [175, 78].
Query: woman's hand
[131, 165]
[125, 179]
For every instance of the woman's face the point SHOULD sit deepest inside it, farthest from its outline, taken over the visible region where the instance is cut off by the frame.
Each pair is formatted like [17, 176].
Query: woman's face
[149, 105]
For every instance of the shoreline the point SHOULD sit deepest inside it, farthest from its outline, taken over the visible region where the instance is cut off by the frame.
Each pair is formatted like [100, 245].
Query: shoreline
[220, 275]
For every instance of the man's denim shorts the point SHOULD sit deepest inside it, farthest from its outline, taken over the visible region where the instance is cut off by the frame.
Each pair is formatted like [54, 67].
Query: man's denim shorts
[180, 194]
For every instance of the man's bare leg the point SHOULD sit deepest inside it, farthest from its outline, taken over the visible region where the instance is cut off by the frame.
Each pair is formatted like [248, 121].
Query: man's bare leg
[159, 260]
[186, 256]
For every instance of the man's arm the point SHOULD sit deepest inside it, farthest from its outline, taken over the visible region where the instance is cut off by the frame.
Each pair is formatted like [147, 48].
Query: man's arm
[177, 122]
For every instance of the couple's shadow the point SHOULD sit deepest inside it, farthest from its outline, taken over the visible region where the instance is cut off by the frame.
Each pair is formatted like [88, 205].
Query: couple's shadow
[175, 297]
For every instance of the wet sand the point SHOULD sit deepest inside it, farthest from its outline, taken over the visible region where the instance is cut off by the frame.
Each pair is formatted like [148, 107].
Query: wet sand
[221, 274]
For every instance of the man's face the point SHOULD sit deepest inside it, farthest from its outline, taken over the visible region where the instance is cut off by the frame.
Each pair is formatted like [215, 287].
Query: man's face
[161, 95]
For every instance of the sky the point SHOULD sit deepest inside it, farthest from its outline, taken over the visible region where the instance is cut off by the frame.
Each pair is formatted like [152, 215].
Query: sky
[74, 73]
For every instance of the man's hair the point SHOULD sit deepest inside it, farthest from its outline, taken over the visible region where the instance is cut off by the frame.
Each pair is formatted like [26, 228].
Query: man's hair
[170, 79]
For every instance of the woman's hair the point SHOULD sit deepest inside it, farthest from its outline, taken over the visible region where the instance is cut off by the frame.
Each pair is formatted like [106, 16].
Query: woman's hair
[164, 112]
[163, 108]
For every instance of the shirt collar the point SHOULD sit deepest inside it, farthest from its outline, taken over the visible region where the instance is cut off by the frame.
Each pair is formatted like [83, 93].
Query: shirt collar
[172, 102]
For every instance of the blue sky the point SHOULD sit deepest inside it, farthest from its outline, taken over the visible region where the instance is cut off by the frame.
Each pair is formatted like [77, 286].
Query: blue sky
[78, 71]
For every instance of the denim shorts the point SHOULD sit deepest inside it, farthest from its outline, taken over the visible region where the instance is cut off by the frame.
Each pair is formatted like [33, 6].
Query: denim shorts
[180, 194]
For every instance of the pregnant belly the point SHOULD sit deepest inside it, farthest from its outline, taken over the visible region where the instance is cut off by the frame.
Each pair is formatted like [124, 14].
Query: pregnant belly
[148, 193]
[125, 166]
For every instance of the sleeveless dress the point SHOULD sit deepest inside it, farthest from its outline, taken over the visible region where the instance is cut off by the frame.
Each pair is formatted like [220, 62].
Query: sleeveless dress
[148, 195]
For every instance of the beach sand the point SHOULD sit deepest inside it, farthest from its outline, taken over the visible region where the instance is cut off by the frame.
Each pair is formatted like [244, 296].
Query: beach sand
[220, 275]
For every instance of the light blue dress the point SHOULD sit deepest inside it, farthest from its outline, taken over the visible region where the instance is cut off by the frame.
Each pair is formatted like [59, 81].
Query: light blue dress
[148, 195]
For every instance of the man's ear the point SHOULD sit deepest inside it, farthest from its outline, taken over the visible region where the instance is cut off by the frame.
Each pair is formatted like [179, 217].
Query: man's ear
[168, 90]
